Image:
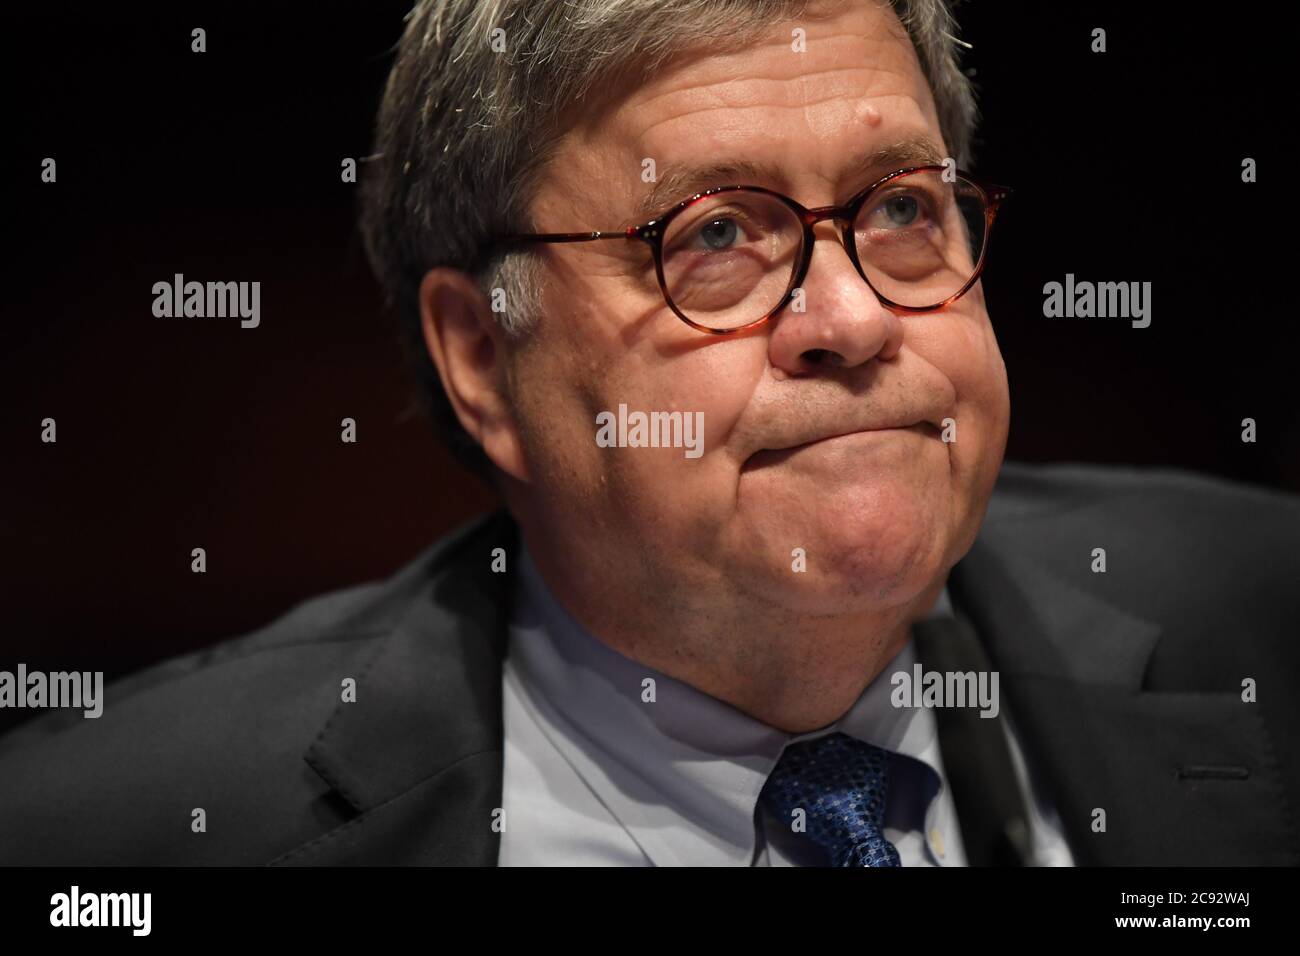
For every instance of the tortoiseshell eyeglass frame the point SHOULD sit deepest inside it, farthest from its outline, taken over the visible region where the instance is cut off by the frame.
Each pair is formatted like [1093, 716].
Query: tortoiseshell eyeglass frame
[652, 233]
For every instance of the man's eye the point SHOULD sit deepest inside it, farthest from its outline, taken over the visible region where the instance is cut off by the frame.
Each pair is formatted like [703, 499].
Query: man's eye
[900, 210]
[718, 234]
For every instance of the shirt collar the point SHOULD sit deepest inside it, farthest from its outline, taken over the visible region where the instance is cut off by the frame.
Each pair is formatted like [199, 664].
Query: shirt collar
[681, 771]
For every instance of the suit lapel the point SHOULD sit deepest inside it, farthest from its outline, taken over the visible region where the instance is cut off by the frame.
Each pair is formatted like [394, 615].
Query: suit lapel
[1184, 778]
[418, 754]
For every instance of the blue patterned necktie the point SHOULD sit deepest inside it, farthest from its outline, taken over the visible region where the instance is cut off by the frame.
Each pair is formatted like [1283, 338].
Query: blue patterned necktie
[841, 784]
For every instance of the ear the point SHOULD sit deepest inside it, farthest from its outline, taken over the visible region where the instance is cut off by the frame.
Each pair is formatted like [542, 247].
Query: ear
[468, 346]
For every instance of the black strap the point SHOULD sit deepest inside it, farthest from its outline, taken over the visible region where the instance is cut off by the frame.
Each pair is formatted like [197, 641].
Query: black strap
[976, 758]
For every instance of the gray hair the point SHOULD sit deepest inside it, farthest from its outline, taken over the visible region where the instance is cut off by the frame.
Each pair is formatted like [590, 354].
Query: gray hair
[464, 131]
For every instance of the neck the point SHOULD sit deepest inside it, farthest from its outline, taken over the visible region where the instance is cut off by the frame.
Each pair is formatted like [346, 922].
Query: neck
[795, 672]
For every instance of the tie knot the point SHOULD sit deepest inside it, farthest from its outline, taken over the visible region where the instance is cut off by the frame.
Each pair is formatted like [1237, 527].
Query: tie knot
[841, 784]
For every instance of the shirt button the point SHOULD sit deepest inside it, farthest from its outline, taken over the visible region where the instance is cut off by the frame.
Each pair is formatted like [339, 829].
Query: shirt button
[936, 841]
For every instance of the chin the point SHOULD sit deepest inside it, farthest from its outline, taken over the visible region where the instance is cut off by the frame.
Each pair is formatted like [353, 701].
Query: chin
[860, 556]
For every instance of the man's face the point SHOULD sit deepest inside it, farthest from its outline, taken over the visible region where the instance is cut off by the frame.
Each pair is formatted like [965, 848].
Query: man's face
[880, 512]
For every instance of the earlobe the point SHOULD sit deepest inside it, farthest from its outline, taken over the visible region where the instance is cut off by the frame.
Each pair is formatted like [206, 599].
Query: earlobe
[469, 348]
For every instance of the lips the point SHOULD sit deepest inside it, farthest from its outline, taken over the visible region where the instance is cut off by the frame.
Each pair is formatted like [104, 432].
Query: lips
[779, 453]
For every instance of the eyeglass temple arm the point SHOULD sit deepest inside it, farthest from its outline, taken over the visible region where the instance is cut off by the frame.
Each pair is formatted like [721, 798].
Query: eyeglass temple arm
[629, 233]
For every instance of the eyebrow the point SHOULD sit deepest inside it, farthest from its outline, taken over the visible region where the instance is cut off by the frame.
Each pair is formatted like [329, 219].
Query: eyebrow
[679, 182]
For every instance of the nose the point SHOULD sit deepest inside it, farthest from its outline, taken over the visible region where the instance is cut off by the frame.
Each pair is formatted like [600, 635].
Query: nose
[840, 323]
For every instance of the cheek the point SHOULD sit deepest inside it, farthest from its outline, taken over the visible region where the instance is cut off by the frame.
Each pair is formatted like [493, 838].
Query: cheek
[981, 381]
[678, 490]
[960, 347]
[971, 360]
[718, 380]
[552, 393]
[975, 360]
[965, 351]
[657, 492]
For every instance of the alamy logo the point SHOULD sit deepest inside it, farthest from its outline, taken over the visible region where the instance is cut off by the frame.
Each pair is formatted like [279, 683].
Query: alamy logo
[651, 430]
[1102, 300]
[208, 300]
[59, 689]
[103, 909]
[946, 689]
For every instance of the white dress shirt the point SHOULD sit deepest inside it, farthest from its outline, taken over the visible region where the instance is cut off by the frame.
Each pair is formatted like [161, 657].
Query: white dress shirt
[595, 774]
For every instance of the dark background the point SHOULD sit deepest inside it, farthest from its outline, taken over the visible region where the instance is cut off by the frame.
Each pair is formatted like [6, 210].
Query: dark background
[175, 434]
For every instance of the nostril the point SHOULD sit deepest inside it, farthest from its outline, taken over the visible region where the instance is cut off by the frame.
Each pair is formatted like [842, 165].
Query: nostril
[822, 357]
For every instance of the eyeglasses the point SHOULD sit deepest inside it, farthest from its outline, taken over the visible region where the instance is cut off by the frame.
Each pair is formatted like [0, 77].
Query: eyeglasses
[732, 257]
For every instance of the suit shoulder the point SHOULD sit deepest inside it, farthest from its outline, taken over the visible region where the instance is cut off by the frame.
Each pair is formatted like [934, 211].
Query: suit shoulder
[1150, 497]
[223, 729]
[293, 647]
[1200, 554]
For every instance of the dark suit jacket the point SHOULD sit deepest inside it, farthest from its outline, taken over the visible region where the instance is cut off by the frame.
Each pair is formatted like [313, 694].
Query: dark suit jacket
[1125, 686]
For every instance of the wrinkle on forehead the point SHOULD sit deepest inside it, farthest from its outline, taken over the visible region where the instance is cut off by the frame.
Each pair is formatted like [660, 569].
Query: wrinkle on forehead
[719, 77]
[860, 77]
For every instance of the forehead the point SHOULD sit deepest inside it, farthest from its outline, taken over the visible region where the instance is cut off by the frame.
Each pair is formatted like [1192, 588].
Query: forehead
[814, 119]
